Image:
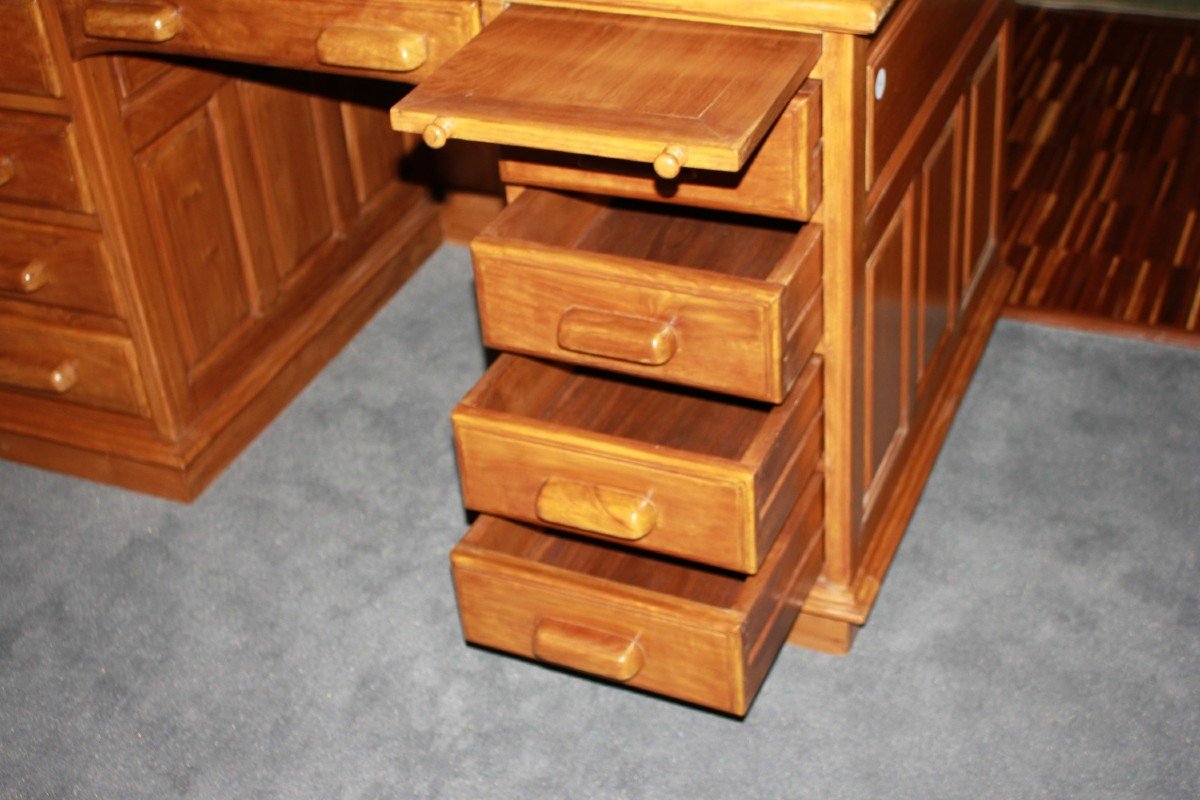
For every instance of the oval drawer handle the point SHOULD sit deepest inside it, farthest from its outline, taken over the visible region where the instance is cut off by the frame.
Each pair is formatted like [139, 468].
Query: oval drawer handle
[438, 132]
[8, 169]
[385, 49]
[596, 509]
[602, 333]
[24, 278]
[57, 377]
[670, 161]
[607, 655]
[134, 22]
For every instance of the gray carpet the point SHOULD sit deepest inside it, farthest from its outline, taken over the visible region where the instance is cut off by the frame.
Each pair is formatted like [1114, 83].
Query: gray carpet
[293, 634]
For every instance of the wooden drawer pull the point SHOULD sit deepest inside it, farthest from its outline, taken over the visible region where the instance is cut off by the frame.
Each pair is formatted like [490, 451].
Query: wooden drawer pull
[134, 22]
[607, 655]
[624, 338]
[8, 170]
[670, 161]
[437, 133]
[386, 49]
[596, 509]
[24, 278]
[57, 377]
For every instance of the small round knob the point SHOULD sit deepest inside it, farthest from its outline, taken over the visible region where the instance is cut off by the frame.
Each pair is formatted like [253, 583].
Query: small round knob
[670, 161]
[437, 133]
[880, 84]
[63, 377]
[8, 169]
[33, 277]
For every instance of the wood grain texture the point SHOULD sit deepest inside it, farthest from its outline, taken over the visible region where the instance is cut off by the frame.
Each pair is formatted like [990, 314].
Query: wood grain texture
[878, 301]
[594, 84]
[702, 636]
[736, 301]
[717, 476]
[286, 33]
[27, 66]
[44, 158]
[1103, 204]
[247, 223]
[846, 16]
[782, 178]
[914, 50]
[71, 271]
[105, 374]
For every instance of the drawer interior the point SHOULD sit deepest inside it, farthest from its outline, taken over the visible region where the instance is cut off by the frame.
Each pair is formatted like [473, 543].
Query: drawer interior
[740, 246]
[599, 560]
[696, 633]
[627, 408]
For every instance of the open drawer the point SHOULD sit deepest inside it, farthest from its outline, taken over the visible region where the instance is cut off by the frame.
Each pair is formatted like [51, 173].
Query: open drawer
[702, 636]
[677, 472]
[668, 92]
[731, 304]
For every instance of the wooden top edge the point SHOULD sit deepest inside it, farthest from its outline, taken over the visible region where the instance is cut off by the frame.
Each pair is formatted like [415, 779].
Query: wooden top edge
[841, 16]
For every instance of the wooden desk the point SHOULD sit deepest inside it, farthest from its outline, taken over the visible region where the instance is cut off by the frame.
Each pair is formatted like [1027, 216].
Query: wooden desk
[777, 220]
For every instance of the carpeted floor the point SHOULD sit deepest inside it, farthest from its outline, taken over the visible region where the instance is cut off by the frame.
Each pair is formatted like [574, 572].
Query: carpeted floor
[293, 634]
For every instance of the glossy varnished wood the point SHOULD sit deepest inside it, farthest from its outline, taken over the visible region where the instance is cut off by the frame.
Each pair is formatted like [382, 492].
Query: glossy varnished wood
[1103, 207]
[29, 67]
[54, 266]
[846, 16]
[921, 274]
[782, 178]
[406, 41]
[44, 167]
[702, 636]
[212, 239]
[686, 474]
[595, 84]
[725, 303]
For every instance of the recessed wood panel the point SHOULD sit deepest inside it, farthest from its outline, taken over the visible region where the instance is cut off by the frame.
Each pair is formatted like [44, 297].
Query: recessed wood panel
[984, 140]
[288, 158]
[904, 64]
[940, 224]
[375, 150]
[885, 384]
[182, 175]
[135, 73]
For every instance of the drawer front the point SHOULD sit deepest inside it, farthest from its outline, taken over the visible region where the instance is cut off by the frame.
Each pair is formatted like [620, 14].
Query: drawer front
[702, 637]
[903, 65]
[27, 66]
[53, 266]
[397, 40]
[694, 327]
[680, 501]
[40, 164]
[91, 369]
[782, 179]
